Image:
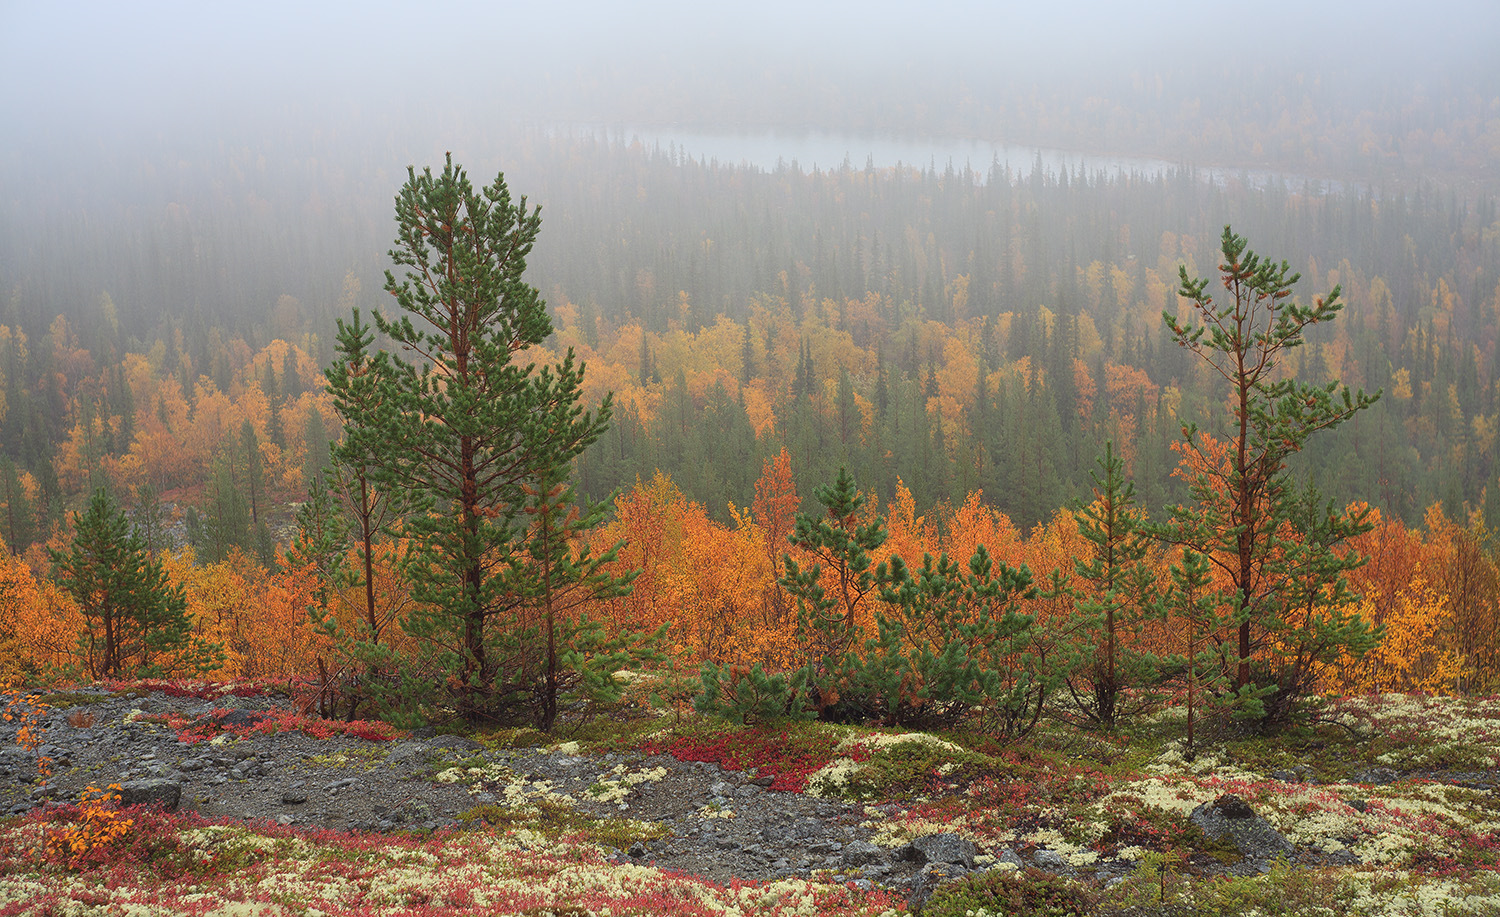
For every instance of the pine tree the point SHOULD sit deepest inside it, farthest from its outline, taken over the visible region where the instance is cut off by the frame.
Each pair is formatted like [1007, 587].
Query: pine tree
[1245, 515]
[555, 653]
[137, 621]
[459, 430]
[828, 620]
[954, 642]
[1112, 613]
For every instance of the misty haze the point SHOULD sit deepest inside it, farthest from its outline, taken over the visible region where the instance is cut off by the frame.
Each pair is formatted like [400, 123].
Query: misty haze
[893, 470]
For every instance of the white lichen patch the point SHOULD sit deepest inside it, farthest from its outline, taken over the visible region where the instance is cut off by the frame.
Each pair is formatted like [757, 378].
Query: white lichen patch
[476, 778]
[832, 779]
[713, 811]
[619, 785]
[875, 741]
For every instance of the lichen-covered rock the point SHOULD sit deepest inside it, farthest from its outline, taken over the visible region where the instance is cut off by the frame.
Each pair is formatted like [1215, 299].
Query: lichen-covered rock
[1231, 817]
[940, 848]
[165, 793]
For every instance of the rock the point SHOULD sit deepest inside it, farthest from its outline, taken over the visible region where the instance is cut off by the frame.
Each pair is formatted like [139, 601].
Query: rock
[1376, 776]
[165, 793]
[1229, 816]
[1009, 857]
[1232, 806]
[861, 853]
[927, 881]
[455, 743]
[940, 848]
[239, 719]
[405, 753]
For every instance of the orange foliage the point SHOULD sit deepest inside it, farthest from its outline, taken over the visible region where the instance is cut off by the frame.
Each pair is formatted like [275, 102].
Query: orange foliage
[39, 625]
[259, 617]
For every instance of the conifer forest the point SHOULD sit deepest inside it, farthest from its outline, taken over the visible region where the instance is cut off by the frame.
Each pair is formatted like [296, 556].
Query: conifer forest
[1029, 443]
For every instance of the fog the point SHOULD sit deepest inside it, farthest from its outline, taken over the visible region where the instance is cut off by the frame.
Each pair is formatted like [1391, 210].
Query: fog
[159, 70]
[113, 114]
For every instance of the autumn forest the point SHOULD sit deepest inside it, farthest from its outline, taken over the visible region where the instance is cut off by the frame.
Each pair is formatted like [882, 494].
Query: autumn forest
[965, 341]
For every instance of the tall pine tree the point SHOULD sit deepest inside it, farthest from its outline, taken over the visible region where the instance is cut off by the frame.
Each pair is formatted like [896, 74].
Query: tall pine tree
[463, 423]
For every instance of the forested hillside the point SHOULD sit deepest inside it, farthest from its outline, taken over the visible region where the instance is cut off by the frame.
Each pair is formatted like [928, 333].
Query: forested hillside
[965, 342]
[908, 324]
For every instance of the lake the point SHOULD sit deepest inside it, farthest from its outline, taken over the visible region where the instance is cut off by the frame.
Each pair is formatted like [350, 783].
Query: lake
[810, 151]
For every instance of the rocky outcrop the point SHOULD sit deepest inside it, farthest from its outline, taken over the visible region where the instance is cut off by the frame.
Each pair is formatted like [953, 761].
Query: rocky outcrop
[1230, 817]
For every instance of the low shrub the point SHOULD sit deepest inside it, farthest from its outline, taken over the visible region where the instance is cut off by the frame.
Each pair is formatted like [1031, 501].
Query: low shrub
[995, 893]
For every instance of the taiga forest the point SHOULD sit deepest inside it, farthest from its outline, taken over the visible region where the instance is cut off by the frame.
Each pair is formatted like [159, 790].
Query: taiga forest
[1058, 433]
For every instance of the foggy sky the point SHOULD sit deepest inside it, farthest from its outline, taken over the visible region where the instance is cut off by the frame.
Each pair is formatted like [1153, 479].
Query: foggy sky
[111, 113]
[74, 67]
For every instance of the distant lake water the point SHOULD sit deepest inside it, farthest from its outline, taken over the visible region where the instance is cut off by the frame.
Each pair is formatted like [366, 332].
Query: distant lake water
[810, 151]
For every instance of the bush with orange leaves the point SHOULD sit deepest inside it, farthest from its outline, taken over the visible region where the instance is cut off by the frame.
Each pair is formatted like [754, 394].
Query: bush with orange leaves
[88, 834]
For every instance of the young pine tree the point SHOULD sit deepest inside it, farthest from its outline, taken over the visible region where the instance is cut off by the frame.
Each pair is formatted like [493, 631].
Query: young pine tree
[137, 621]
[1245, 516]
[1112, 674]
[556, 654]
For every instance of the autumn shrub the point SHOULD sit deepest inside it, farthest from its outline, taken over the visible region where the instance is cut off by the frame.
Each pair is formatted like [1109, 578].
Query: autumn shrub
[997, 893]
[96, 832]
[27, 712]
[191, 730]
[789, 755]
[80, 719]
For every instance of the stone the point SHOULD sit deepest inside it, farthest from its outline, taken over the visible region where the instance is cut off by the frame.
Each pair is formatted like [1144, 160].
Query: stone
[940, 848]
[927, 881]
[1009, 857]
[1255, 838]
[455, 743]
[1232, 806]
[239, 719]
[165, 793]
[861, 853]
[1376, 776]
